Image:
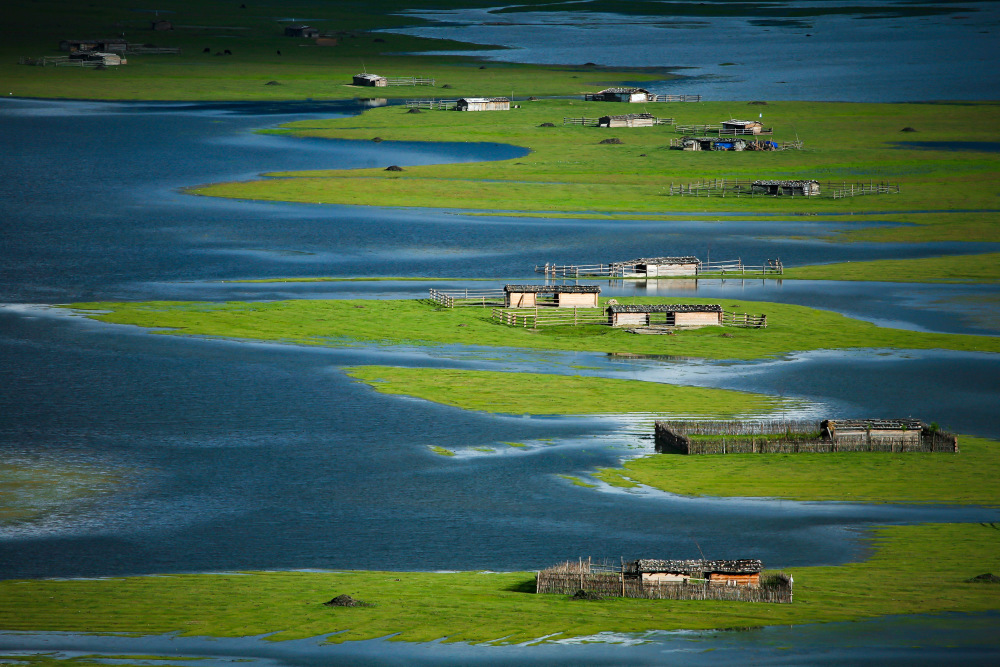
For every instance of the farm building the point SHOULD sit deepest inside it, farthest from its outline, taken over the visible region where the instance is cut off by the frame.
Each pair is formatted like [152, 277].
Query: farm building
[620, 95]
[789, 188]
[663, 266]
[160, 24]
[107, 59]
[370, 80]
[301, 31]
[788, 437]
[743, 126]
[561, 296]
[103, 45]
[715, 572]
[483, 104]
[675, 315]
[733, 580]
[628, 120]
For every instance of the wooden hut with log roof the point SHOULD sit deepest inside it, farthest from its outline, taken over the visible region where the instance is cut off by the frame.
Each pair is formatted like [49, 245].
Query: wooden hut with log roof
[483, 104]
[652, 267]
[743, 126]
[370, 80]
[561, 296]
[620, 94]
[715, 572]
[628, 120]
[301, 31]
[668, 314]
[906, 432]
[787, 188]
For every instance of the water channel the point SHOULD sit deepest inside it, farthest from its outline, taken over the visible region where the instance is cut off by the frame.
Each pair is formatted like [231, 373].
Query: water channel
[265, 456]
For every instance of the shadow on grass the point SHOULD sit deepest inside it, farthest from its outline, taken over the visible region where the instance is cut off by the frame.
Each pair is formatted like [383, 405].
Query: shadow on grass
[526, 586]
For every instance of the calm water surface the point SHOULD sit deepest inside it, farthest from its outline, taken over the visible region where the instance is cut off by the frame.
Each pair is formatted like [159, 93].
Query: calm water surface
[246, 456]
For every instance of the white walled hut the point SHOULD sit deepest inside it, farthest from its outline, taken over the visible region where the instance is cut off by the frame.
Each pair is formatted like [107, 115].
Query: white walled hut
[620, 94]
[628, 120]
[654, 267]
[483, 104]
[787, 188]
[667, 314]
[370, 80]
[744, 572]
[561, 296]
[743, 126]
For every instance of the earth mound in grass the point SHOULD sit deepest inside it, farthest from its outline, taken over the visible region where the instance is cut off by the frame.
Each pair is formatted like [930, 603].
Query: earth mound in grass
[585, 595]
[347, 601]
[986, 578]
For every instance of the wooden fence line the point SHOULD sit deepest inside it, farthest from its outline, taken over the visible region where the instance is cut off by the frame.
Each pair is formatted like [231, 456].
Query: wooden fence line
[738, 187]
[484, 297]
[431, 104]
[624, 270]
[409, 81]
[619, 585]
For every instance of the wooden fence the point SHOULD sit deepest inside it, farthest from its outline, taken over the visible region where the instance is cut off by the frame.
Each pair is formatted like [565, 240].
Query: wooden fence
[674, 98]
[466, 297]
[786, 437]
[594, 122]
[626, 270]
[408, 81]
[145, 50]
[58, 61]
[744, 320]
[431, 104]
[775, 587]
[548, 316]
[857, 189]
[740, 187]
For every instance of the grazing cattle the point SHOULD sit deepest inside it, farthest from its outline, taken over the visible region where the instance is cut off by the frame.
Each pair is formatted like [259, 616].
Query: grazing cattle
[207, 49]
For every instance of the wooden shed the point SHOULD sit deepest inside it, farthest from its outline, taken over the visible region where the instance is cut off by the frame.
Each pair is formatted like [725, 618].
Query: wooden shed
[672, 314]
[620, 94]
[370, 80]
[483, 104]
[628, 120]
[789, 188]
[114, 45]
[653, 267]
[561, 296]
[301, 31]
[744, 572]
[743, 126]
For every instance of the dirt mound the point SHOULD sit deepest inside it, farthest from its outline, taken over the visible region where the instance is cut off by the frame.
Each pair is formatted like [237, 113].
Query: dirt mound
[394, 167]
[908, 129]
[347, 601]
[987, 578]
[377, 140]
[612, 140]
[547, 125]
[272, 83]
[585, 595]
[414, 111]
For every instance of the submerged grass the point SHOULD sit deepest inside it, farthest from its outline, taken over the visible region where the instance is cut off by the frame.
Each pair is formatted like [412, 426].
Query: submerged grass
[912, 570]
[324, 322]
[535, 393]
[966, 478]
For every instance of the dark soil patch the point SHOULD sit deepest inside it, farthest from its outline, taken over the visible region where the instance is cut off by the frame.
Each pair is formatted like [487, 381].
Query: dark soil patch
[547, 125]
[987, 578]
[378, 140]
[585, 595]
[414, 111]
[612, 140]
[394, 167]
[347, 601]
[908, 129]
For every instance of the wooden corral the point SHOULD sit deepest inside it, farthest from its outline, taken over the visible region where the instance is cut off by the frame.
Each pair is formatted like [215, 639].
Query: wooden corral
[672, 315]
[627, 120]
[98, 58]
[301, 31]
[804, 188]
[736, 580]
[370, 80]
[113, 45]
[619, 94]
[483, 104]
[560, 296]
[785, 437]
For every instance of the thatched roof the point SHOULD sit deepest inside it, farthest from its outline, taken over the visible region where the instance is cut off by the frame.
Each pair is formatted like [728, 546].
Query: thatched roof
[619, 90]
[368, 77]
[787, 184]
[482, 100]
[665, 308]
[553, 289]
[630, 116]
[908, 424]
[650, 565]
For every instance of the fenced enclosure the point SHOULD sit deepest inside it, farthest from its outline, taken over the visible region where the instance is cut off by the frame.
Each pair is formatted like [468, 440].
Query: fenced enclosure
[548, 317]
[409, 81]
[742, 187]
[720, 131]
[447, 105]
[594, 122]
[467, 297]
[791, 437]
[147, 50]
[674, 98]
[58, 61]
[609, 579]
[629, 270]
[744, 320]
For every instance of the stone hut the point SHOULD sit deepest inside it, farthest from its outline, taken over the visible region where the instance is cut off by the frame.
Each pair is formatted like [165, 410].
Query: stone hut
[483, 104]
[653, 267]
[628, 120]
[561, 296]
[301, 31]
[370, 80]
[620, 94]
[667, 314]
[789, 188]
[714, 572]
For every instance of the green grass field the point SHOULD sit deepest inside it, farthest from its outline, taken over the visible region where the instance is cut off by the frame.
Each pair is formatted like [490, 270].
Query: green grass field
[912, 570]
[535, 393]
[336, 322]
[949, 269]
